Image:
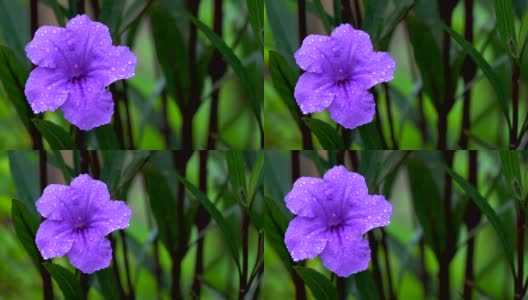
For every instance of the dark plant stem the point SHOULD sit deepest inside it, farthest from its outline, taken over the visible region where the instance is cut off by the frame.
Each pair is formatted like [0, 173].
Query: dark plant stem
[165, 129]
[79, 138]
[96, 8]
[386, 261]
[127, 26]
[340, 156]
[201, 221]
[47, 287]
[243, 288]
[115, 269]
[131, 293]
[217, 68]
[301, 18]
[340, 288]
[378, 123]
[118, 125]
[376, 270]
[128, 116]
[36, 138]
[177, 253]
[94, 160]
[446, 255]
[80, 7]
[346, 13]
[519, 290]
[472, 217]
[354, 159]
[85, 161]
[83, 280]
[446, 13]
[300, 292]
[194, 102]
[515, 105]
[357, 13]
[468, 72]
[157, 266]
[389, 115]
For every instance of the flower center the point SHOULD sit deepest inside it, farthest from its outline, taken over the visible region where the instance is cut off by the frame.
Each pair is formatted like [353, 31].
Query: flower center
[80, 224]
[77, 75]
[335, 223]
[342, 78]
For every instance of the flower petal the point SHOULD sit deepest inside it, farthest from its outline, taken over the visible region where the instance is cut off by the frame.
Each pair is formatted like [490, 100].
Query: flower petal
[373, 69]
[343, 188]
[315, 54]
[346, 253]
[46, 89]
[87, 35]
[116, 64]
[351, 46]
[306, 197]
[54, 238]
[50, 204]
[374, 211]
[352, 106]
[88, 105]
[110, 216]
[305, 238]
[43, 50]
[95, 191]
[314, 92]
[90, 252]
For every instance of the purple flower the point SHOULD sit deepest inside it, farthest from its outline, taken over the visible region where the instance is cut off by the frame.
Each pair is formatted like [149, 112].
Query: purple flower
[339, 71]
[78, 217]
[332, 215]
[74, 65]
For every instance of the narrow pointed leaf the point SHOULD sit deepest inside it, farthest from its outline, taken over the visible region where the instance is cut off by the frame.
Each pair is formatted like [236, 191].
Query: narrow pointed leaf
[326, 134]
[69, 285]
[56, 136]
[320, 286]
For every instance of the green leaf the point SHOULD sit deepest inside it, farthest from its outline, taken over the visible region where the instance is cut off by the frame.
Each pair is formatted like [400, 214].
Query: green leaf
[256, 18]
[522, 36]
[326, 134]
[107, 284]
[57, 138]
[237, 175]
[323, 15]
[256, 176]
[512, 171]
[504, 15]
[106, 137]
[111, 14]
[70, 286]
[113, 161]
[366, 285]
[163, 206]
[275, 223]
[505, 236]
[26, 228]
[370, 136]
[373, 22]
[429, 62]
[284, 79]
[24, 167]
[235, 63]
[14, 76]
[320, 286]
[14, 29]
[59, 11]
[283, 24]
[229, 235]
[171, 52]
[427, 203]
[486, 68]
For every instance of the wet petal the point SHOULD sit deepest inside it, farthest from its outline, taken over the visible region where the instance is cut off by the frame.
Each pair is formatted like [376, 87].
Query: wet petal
[109, 216]
[115, 64]
[314, 92]
[88, 105]
[373, 211]
[44, 49]
[306, 197]
[344, 188]
[346, 253]
[46, 89]
[373, 69]
[315, 54]
[90, 252]
[305, 238]
[87, 34]
[352, 106]
[54, 238]
[50, 205]
[350, 46]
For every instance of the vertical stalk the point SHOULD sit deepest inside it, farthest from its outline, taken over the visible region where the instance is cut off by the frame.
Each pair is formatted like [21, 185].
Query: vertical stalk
[357, 13]
[346, 13]
[378, 124]
[392, 295]
[79, 138]
[96, 8]
[515, 105]
[376, 270]
[243, 288]
[301, 18]
[468, 72]
[472, 217]
[201, 220]
[389, 115]
[128, 116]
[157, 266]
[47, 287]
[445, 257]
[179, 248]
[341, 288]
[36, 138]
[217, 68]
[131, 293]
[165, 129]
[300, 292]
[118, 125]
[80, 7]
[518, 285]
